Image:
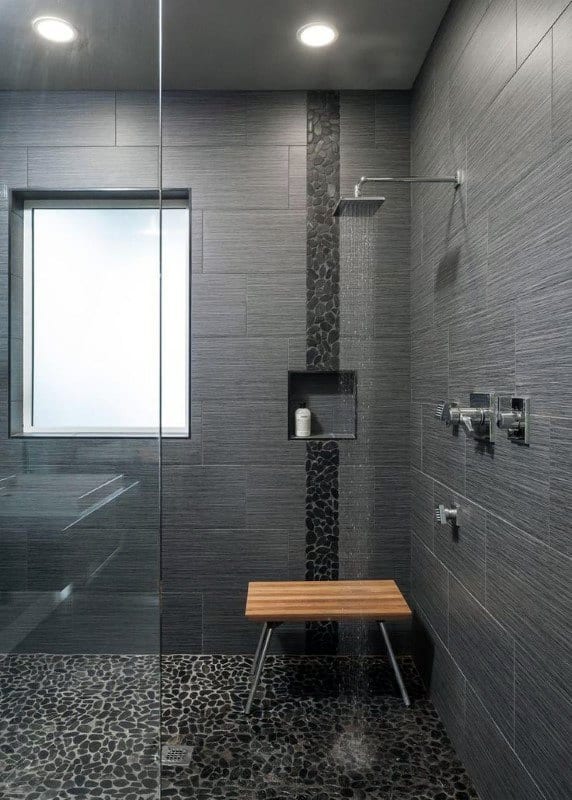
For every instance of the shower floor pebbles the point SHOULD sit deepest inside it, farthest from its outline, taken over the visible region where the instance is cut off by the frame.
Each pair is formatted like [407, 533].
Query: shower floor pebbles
[323, 728]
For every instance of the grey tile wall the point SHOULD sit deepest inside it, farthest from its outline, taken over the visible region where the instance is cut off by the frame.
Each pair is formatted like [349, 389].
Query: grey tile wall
[491, 309]
[254, 241]
[562, 77]
[57, 119]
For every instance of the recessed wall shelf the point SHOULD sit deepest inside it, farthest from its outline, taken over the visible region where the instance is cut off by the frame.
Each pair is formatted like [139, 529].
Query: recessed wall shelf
[331, 397]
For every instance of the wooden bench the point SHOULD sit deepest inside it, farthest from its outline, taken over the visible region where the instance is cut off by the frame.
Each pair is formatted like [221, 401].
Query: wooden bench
[275, 602]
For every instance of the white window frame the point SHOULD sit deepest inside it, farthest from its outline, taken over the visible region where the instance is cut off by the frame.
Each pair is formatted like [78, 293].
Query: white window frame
[28, 427]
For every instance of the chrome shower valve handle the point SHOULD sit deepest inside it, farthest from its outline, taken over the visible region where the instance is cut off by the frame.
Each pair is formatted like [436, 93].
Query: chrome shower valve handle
[477, 420]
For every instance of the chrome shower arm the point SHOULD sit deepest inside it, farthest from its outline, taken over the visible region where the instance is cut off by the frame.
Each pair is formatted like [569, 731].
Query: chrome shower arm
[455, 179]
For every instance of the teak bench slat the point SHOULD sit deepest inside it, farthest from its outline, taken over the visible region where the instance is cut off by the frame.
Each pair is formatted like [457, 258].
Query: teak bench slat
[321, 601]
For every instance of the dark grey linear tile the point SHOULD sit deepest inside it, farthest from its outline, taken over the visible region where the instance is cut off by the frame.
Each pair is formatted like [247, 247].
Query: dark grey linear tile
[230, 177]
[482, 350]
[520, 118]
[457, 27]
[14, 166]
[276, 304]
[415, 435]
[204, 496]
[392, 497]
[443, 451]
[226, 629]
[375, 302]
[491, 484]
[380, 438]
[93, 167]
[562, 79]
[422, 507]
[560, 506]
[544, 346]
[254, 241]
[219, 305]
[204, 119]
[534, 18]
[181, 622]
[197, 241]
[496, 770]
[297, 553]
[91, 622]
[297, 352]
[484, 651]
[239, 369]
[276, 118]
[134, 566]
[392, 118]
[528, 591]
[16, 233]
[193, 118]
[456, 249]
[198, 560]
[59, 119]
[137, 118]
[429, 587]
[296, 177]
[390, 557]
[357, 505]
[382, 366]
[429, 363]
[248, 433]
[444, 681]
[528, 226]
[486, 64]
[463, 549]
[543, 713]
[357, 119]
[276, 496]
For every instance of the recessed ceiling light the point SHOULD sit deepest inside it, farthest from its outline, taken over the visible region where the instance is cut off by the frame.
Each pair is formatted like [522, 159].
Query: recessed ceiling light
[55, 29]
[317, 34]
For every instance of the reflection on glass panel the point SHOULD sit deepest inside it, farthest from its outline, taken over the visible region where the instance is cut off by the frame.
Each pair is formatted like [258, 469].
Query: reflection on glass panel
[79, 335]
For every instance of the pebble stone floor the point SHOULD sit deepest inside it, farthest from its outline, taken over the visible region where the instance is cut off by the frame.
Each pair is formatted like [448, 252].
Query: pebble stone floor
[86, 727]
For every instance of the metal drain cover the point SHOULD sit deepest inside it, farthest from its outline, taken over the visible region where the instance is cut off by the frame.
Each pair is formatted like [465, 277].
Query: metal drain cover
[176, 755]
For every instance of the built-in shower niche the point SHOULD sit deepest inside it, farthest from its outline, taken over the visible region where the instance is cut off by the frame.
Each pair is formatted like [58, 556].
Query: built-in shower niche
[330, 396]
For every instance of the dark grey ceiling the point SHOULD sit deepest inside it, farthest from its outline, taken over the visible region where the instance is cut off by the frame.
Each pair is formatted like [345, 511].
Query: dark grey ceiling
[218, 44]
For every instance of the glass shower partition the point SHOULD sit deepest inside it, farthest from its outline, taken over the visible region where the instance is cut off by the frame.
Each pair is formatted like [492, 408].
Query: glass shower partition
[81, 393]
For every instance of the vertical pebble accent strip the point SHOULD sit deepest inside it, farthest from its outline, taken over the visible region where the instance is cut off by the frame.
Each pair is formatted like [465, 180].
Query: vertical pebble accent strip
[322, 343]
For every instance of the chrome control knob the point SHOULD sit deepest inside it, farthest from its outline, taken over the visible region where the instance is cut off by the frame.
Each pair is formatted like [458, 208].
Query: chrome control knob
[445, 515]
[448, 413]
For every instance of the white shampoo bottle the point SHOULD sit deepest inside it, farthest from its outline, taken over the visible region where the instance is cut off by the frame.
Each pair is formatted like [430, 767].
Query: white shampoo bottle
[303, 425]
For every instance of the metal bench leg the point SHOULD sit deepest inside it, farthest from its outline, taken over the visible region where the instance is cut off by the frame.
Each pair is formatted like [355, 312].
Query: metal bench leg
[395, 665]
[258, 649]
[262, 649]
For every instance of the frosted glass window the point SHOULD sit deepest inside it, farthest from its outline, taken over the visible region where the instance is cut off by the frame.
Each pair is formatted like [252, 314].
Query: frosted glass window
[91, 321]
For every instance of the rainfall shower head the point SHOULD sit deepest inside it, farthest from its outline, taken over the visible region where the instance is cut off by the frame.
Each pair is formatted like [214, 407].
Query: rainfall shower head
[358, 206]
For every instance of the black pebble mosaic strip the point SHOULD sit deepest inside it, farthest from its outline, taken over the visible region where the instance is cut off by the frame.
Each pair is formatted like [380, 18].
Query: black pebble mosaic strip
[322, 343]
[323, 238]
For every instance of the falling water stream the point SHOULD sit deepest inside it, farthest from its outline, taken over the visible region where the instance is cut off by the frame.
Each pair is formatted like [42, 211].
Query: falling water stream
[358, 265]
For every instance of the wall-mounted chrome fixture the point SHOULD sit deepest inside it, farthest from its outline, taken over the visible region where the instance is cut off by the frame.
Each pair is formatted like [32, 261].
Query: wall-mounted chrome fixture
[478, 419]
[361, 203]
[445, 515]
[513, 416]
